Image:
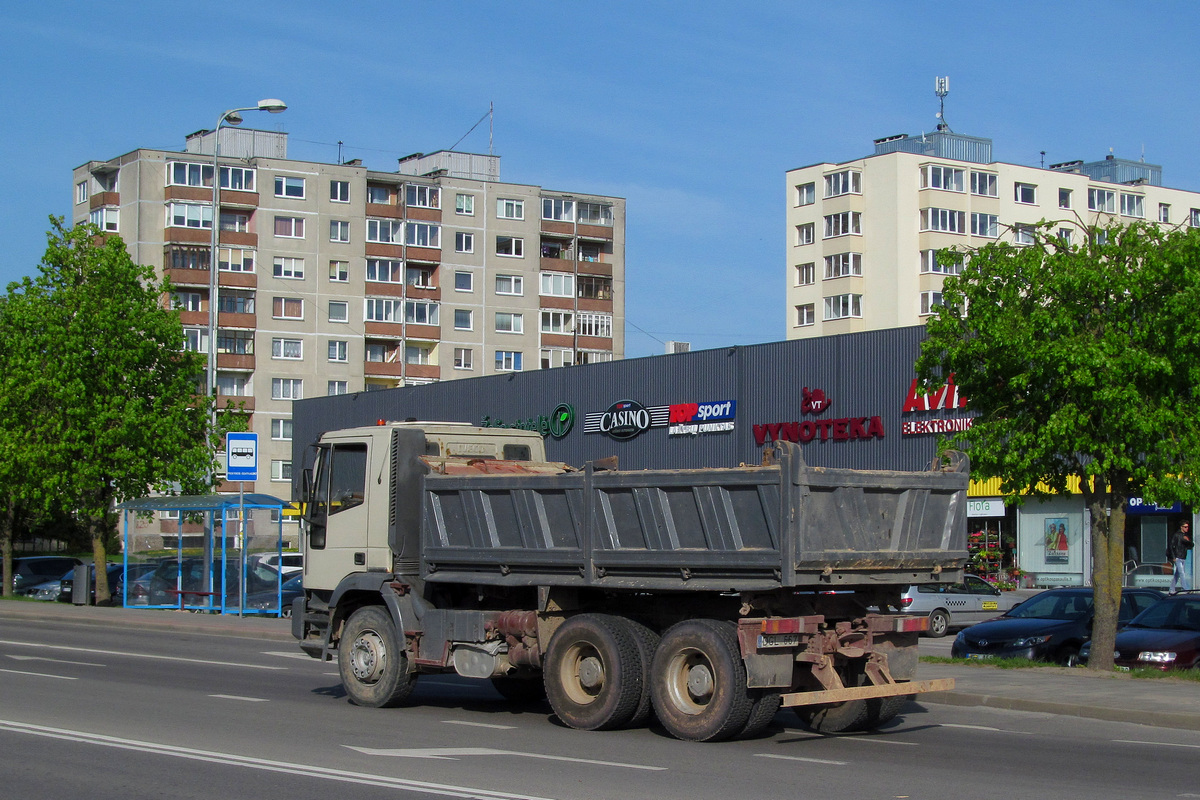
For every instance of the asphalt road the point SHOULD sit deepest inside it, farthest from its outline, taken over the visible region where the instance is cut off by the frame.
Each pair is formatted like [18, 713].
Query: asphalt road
[126, 713]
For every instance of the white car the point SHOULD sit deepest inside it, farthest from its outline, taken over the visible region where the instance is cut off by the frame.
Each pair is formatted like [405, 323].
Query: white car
[287, 564]
[956, 605]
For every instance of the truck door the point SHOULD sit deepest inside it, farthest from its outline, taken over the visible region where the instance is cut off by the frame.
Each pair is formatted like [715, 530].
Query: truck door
[338, 522]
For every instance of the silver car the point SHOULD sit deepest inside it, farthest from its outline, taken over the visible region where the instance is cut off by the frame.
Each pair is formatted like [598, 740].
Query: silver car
[956, 605]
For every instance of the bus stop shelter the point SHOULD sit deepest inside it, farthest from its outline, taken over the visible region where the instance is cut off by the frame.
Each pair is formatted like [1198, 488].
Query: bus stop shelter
[204, 553]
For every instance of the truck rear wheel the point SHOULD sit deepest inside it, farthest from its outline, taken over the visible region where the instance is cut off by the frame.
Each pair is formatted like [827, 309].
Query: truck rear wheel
[646, 642]
[852, 716]
[372, 661]
[594, 673]
[698, 682]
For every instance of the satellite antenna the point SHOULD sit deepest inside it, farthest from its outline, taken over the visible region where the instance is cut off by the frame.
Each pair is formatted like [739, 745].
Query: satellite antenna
[941, 88]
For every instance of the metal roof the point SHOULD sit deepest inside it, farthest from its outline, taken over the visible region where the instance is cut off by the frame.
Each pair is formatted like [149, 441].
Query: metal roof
[202, 502]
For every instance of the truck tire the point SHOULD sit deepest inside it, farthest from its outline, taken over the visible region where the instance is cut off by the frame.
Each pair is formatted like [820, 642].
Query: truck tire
[646, 641]
[939, 623]
[372, 661]
[698, 682]
[593, 672]
[852, 716]
[766, 704]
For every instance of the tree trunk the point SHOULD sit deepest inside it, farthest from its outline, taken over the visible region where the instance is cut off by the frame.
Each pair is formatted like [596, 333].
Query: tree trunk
[98, 527]
[7, 520]
[1108, 538]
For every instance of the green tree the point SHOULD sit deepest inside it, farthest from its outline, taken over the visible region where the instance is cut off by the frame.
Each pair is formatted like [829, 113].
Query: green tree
[1082, 360]
[99, 403]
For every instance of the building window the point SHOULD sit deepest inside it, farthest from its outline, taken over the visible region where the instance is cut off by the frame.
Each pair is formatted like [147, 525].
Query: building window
[339, 350]
[337, 387]
[943, 219]
[423, 196]
[509, 284]
[1023, 234]
[509, 323]
[594, 325]
[510, 209]
[238, 343]
[281, 430]
[464, 242]
[287, 389]
[929, 301]
[806, 274]
[421, 313]
[595, 287]
[339, 191]
[382, 309]
[422, 234]
[842, 306]
[339, 271]
[464, 204]
[106, 219]
[380, 195]
[1164, 212]
[339, 311]
[289, 227]
[557, 209]
[187, 301]
[557, 284]
[1064, 198]
[195, 340]
[557, 322]
[419, 277]
[805, 233]
[806, 194]
[339, 230]
[418, 354]
[187, 257]
[985, 225]
[508, 361]
[464, 282]
[1131, 205]
[1025, 193]
[286, 267]
[841, 265]
[462, 319]
[462, 358]
[806, 315]
[289, 187]
[555, 357]
[378, 353]
[384, 270]
[510, 246]
[595, 214]
[233, 385]
[847, 181]
[81, 192]
[1102, 200]
[1194, 218]
[235, 222]
[386, 231]
[936, 176]
[281, 470]
[843, 224]
[235, 301]
[233, 259]
[1064, 236]
[983, 184]
[182, 173]
[287, 308]
[189, 215]
[949, 264]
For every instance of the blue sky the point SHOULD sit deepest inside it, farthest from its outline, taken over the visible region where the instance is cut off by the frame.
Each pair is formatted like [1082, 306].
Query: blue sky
[692, 112]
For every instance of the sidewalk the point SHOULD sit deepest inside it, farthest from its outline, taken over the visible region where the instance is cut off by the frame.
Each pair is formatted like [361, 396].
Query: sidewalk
[1116, 697]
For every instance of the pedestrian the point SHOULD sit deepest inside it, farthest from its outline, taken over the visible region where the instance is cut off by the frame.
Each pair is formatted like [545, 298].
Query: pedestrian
[1177, 553]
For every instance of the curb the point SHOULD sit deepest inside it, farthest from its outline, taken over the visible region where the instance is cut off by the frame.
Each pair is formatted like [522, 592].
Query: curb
[1163, 719]
[165, 619]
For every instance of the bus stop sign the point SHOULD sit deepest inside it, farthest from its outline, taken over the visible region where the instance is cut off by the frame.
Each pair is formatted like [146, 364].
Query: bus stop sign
[241, 457]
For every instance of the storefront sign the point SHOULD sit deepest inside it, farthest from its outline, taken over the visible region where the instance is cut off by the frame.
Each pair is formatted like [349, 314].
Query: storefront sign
[1137, 506]
[943, 398]
[985, 508]
[626, 419]
[839, 430]
[696, 418]
[557, 425]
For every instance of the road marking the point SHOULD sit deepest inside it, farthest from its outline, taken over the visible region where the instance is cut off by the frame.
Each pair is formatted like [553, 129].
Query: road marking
[53, 660]
[872, 739]
[237, 697]
[802, 758]
[282, 767]
[480, 724]
[983, 728]
[291, 654]
[38, 674]
[454, 753]
[141, 655]
[1160, 744]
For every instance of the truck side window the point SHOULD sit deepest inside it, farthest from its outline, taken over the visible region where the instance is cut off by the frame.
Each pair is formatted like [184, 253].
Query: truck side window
[516, 452]
[347, 477]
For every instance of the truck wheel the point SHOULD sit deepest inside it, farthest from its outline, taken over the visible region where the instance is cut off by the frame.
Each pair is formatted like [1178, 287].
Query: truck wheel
[646, 642]
[520, 690]
[766, 704]
[939, 623]
[593, 673]
[853, 715]
[372, 661]
[698, 682]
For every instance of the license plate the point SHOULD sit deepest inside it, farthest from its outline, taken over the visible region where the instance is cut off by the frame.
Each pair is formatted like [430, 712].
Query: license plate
[991, 605]
[778, 640]
[979, 655]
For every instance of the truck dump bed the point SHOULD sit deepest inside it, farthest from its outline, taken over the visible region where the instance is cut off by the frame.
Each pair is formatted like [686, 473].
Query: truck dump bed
[737, 529]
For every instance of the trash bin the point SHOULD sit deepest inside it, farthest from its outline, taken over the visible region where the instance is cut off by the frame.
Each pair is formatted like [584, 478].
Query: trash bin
[81, 585]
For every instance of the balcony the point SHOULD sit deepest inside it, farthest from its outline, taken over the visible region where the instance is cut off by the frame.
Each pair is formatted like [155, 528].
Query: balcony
[384, 210]
[239, 402]
[237, 361]
[102, 199]
[383, 369]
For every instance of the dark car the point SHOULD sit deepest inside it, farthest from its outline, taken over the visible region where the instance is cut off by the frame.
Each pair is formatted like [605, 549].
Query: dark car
[30, 570]
[116, 581]
[166, 583]
[1164, 636]
[282, 602]
[1050, 626]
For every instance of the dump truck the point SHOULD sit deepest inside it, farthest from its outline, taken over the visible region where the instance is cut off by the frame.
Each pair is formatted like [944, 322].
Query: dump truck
[705, 598]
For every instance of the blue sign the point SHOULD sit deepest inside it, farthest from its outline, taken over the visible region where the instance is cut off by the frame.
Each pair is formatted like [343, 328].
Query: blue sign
[241, 457]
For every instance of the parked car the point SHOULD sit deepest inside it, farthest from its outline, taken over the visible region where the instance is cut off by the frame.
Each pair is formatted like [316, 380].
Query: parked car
[287, 563]
[46, 590]
[1050, 626]
[116, 581]
[166, 584]
[291, 588]
[1164, 636]
[955, 605]
[29, 570]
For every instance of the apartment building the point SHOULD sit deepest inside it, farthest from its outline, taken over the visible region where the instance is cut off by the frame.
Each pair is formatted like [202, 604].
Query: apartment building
[334, 278]
[863, 236]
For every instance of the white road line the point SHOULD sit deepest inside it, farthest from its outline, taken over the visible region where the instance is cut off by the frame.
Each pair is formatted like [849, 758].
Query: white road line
[870, 739]
[1159, 744]
[801, 758]
[141, 655]
[983, 728]
[480, 724]
[290, 654]
[283, 767]
[38, 674]
[237, 697]
[53, 660]
[454, 753]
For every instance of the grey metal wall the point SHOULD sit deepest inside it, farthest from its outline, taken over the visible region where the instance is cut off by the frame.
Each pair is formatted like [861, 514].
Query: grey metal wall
[864, 375]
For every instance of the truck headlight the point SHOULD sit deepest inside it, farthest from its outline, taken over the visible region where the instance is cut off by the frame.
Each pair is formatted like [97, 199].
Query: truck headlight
[1157, 656]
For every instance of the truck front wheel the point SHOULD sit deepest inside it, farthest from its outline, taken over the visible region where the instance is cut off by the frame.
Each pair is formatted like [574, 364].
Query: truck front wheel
[372, 661]
[593, 673]
[698, 682]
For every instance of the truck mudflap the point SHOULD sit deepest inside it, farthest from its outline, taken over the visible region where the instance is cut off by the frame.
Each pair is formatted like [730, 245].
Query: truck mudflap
[866, 692]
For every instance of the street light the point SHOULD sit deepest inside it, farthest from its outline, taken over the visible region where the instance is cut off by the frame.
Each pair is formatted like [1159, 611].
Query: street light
[233, 117]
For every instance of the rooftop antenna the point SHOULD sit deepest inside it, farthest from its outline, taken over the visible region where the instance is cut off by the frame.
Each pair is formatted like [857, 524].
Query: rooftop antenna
[491, 125]
[941, 88]
[340, 152]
